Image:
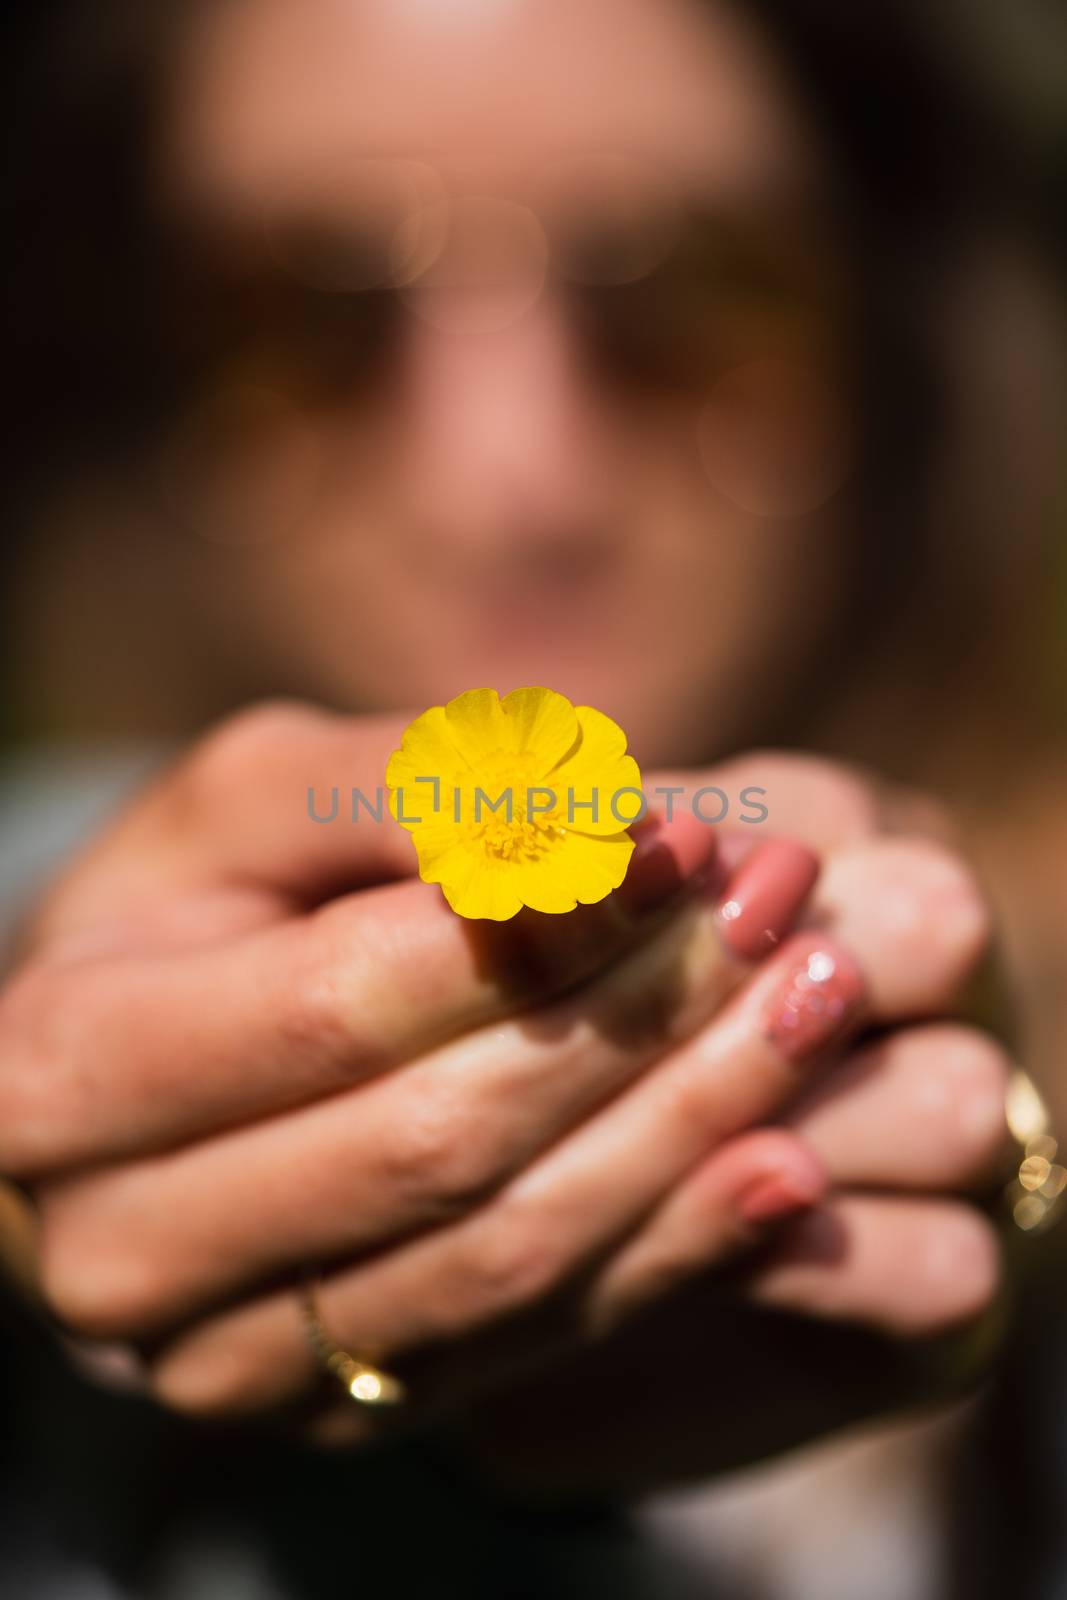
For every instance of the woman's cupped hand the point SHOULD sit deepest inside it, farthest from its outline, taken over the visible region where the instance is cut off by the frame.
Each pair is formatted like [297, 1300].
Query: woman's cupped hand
[240, 1046]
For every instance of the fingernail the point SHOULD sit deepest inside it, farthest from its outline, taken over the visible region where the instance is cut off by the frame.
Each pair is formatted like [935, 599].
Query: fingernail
[778, 1195]
[817, 1002]
[666, 856]
[761, 901]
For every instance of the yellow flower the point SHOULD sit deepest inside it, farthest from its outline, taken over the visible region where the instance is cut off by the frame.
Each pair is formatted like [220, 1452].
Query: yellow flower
[517, 802]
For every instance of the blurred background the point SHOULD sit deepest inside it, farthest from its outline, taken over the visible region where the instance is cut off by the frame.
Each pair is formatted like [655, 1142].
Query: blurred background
[705, 361]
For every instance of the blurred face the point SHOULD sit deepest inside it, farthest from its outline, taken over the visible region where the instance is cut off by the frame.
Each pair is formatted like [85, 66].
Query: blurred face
[525, 365]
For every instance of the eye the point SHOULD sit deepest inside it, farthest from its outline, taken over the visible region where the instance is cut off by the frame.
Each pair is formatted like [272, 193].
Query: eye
[646, 333]
[714, 302]
[328, 344]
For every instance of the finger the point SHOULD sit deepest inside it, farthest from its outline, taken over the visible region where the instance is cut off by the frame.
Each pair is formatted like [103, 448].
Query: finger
[825, 804]
[828, 805]
[595, 1186]
[440, 1138]
[114, 1058]
[585, 1195]
[723, 1207]
[240, 809]
[907, 1265]
[726, 1206]
[739, 1071]
[406, 1149]
[866, 1262]
[920, 1108]
[670, 1395]
[923, 910]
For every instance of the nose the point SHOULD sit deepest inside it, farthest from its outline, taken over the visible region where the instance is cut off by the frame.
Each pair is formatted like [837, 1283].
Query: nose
[505, 438]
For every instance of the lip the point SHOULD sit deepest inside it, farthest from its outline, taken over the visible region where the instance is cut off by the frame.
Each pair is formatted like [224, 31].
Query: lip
[543, 603]
[516, 582]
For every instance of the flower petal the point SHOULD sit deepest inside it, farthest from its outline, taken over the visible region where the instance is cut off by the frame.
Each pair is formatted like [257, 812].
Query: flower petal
[579, 870]
[477, 725]
[441, 848]
[602, 739]
[426, 751]
[598, 767]
[535, 723]
[544, 724]
[479, 888]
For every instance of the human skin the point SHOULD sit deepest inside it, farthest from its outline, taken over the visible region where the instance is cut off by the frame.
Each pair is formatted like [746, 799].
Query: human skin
[522, 498]
[238, 1044]
[490, 506]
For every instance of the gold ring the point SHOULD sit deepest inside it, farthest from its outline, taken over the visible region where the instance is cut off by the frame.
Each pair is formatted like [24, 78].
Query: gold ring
[1036, 1193]
[365, 1383]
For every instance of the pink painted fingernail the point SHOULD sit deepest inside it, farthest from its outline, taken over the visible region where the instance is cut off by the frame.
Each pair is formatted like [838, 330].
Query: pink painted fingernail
[666, 856]
[762, 899]
[779, 1195]
[819, 999]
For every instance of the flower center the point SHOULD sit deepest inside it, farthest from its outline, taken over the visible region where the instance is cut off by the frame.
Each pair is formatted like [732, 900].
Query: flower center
[524, 838]
[509, 832]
